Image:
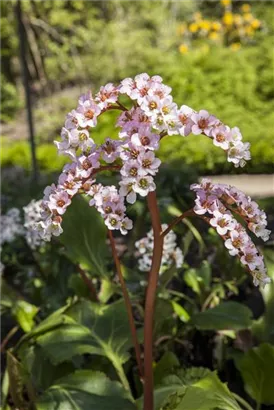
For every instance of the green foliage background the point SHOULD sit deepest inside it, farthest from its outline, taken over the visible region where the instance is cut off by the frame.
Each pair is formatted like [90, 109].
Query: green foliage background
[86, 44]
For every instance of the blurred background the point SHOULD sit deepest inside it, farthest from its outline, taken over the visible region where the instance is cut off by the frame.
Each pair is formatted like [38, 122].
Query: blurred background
[216, 55]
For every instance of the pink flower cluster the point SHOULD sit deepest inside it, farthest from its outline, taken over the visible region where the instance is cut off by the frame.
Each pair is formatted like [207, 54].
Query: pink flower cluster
[218, 203]
[152, 116]
[172, 254]
[156, 103]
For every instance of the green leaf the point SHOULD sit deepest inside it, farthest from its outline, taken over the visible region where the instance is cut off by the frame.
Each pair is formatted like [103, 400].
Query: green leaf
[85, 390]
[225, 316]
[87, 328]
[166, 365]
[107, 290]
[192, 280]
[257, 370]
[162, 395]
[42, 372]
[204, 273]
[180, 311]
[108, 326]
[66, 341]
[208, 393]
[84, 236]
[163, 322]
[24, 313]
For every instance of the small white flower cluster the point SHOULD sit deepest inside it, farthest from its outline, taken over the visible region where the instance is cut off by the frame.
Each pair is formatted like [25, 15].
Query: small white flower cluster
[152, 116]
[219, 201]
[11, 226]
[32, 215]
[172, 254]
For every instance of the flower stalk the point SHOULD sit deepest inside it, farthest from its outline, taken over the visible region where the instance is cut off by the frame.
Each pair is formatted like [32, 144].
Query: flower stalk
[150, 299]
[128, 305]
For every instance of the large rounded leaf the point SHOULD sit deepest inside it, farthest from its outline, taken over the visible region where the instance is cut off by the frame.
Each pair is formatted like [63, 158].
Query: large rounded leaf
[257, 370]
[85, 390]
[84, 236]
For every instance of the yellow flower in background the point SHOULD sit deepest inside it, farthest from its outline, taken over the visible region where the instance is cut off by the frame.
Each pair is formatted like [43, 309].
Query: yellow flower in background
[248, 17]
[235, 46]
[238, 20]
[255, 24]
[214, 36]
[228, 19]
[193, 27]
[183, 48]
[245, 8]
[226, 2]
[249, 31]
[205, 25]
[216, 26]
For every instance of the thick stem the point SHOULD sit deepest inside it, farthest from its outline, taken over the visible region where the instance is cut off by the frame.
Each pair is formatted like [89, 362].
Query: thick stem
[128, 305]
[150, 299]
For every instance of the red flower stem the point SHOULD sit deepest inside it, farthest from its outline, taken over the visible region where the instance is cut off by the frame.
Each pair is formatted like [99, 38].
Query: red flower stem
[190, 212]
[88, 282]
[128, 305]
[150, 299]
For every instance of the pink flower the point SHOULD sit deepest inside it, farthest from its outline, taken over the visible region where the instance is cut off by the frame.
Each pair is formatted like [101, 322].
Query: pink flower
[260, 231]
[221, 136]
[148, 164]
[236, 242]
[235, 134]
[87, 113]
[239, 154]
[113, 221]
[184, 115]
[131, 169]
[127, 86]
[110, 150]
[146, 139]
[126, 225]
[260, 278]
[59, 202]
[251, 258]
[204, 204]
[158, 89]
[71, 120]
[67, 183]
[143, 185]
[107, 95]
[126, 189]
[222, 222]
[86, 164]
[203, 122]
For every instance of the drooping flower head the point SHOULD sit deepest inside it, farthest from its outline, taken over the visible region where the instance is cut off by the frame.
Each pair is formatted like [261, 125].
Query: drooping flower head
[218, 203]
[152, 115]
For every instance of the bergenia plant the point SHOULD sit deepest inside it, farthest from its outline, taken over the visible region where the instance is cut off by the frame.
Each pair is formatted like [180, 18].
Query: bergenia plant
[152, 116]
